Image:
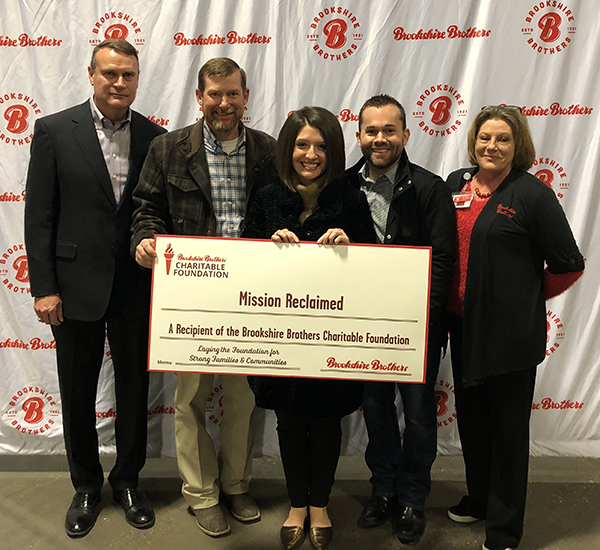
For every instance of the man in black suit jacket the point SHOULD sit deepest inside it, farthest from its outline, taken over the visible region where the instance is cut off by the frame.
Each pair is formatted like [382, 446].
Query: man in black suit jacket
[85, 162]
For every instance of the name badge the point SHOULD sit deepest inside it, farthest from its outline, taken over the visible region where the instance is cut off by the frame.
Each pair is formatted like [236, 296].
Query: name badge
[462, 200]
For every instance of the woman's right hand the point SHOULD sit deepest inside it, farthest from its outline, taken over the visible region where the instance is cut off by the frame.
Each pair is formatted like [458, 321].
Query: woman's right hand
[284, 236]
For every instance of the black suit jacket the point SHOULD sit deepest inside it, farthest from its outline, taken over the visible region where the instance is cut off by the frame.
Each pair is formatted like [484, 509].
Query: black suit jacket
[76, 236]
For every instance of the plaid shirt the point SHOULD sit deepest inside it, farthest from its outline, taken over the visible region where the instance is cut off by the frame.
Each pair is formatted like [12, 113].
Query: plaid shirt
[379, 196]
[227, 182]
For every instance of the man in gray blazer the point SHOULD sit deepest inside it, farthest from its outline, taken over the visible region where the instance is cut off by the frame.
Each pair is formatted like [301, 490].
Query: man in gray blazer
[85, 162]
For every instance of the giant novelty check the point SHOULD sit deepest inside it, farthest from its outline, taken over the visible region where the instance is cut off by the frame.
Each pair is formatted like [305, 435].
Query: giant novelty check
[235, 306]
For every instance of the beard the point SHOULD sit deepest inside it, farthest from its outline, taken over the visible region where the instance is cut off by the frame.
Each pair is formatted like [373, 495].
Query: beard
[220, 125]
[383, 163]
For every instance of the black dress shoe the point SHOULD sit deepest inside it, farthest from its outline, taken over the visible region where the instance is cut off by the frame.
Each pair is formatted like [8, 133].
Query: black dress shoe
[81, 515]
[408, 524]
[138, 510]
[377, 511]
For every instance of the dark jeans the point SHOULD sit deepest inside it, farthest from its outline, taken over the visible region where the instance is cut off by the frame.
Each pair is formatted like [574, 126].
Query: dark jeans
[310, 450]
[493, 424]
[401, 466]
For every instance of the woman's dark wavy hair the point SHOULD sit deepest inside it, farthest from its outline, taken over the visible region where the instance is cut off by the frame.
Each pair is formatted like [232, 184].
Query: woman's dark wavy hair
[324, 121]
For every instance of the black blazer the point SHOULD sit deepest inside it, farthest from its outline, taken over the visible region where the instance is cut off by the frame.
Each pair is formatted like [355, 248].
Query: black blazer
[76, 236]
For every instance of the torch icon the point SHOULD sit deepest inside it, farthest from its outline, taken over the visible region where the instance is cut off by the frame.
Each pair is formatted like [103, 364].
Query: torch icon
[169, 253]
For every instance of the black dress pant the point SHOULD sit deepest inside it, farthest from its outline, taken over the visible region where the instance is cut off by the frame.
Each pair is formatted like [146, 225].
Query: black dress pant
[310, 450]
[80, 351]
[493, 424]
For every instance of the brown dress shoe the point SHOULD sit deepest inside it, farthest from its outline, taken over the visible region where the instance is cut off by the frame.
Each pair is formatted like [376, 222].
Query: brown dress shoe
[320, 537]
[292, 537]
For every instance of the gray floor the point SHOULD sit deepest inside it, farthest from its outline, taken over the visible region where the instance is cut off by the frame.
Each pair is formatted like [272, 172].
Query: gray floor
[563, 510]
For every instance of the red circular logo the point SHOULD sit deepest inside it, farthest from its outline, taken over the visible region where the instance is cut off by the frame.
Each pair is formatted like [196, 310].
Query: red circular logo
[444, 398]
[439, 110]
[552, 174]
[549, 27]
[14, 272]
[335, 34]
[555, 332]
[117, 24]
[16, 114]
[118, 30]
[214, 405]
[32, 411]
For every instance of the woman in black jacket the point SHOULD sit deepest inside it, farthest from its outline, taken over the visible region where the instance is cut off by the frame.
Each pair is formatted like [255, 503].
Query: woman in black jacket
[313, 202]
[516, 250]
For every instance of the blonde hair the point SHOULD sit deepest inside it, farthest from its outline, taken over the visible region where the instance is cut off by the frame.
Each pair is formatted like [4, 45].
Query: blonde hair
[524, 148]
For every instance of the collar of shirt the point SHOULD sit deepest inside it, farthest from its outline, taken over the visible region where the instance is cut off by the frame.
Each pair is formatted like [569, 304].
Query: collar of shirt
[213, 145]
[386, 179]
[101, 122]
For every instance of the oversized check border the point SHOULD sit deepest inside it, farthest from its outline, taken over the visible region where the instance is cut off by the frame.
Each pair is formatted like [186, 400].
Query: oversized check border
[240, 306]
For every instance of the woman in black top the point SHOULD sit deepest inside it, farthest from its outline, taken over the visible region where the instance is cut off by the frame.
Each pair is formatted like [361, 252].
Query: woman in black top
[313, 202]
[516, 250]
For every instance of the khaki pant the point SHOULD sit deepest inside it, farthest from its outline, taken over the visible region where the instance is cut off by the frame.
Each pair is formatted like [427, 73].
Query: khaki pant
[196, 456]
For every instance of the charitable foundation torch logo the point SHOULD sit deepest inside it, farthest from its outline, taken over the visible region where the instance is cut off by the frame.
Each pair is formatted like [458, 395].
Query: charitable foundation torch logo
[117, 24]
[444, 398]
[32, 411]
[336, 34]
[194, 265]
[552, 174]
[17, 111]
[169, 253]
[549, 27]
[440, 110]
[14, 272]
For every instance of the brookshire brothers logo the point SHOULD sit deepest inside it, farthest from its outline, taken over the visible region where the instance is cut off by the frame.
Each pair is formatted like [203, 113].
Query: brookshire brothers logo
[194, 266]
[549, 404]
[17, 111]
[117, 24]
[453, 31]
[34, 344]
[549, 26]
[555, 332]
[336, 34]
[164, 122]
[9, 196]
[439, 110]
[552, 174]
[444, 398]
[214, 405]
[25, 41]
[556, 109]
[14, 273]
[232, 37]
[32, 411]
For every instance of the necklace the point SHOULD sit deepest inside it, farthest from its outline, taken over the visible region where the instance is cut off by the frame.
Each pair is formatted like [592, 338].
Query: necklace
[483, 195]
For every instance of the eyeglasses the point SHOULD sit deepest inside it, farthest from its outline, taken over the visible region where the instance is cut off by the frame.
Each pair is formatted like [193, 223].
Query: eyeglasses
[505, 106]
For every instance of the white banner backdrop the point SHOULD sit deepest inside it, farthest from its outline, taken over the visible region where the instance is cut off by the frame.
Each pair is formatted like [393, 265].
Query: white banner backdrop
[442, 60]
